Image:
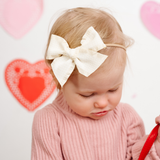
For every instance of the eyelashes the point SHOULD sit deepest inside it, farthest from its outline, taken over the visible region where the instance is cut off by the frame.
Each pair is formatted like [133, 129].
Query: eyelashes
[113, 90]
[87, 95]
[92, 94]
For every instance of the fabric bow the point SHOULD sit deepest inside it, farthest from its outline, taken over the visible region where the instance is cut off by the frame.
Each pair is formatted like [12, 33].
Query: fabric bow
[85, 57]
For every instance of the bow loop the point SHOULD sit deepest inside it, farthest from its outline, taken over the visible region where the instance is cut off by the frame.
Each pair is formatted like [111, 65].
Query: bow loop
[92, 40]
[85, 57]
[57, 47]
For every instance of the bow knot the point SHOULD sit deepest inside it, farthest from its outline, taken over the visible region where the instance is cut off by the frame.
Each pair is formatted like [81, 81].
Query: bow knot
[85, 57]
[72, 53]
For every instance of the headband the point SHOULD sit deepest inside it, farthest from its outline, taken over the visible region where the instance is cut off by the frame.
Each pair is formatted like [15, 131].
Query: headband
[84, 57]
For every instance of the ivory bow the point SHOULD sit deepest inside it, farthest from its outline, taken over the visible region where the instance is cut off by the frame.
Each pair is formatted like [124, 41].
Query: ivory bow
[85, 57]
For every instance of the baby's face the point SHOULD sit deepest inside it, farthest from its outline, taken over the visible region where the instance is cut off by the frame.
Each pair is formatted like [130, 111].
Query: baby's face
[94, 96]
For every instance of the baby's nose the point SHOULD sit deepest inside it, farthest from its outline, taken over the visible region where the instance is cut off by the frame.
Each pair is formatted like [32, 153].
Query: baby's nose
[101, 101]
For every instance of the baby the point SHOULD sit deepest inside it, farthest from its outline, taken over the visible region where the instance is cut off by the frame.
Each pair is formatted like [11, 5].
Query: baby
[86, 53]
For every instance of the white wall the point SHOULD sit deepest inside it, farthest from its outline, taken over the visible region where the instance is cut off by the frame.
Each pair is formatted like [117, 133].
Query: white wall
[142, 79]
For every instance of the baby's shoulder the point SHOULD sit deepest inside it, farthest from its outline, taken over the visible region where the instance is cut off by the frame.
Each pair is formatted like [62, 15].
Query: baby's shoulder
[47, 112]
[129, 114]
[126, 108]
[44, 119]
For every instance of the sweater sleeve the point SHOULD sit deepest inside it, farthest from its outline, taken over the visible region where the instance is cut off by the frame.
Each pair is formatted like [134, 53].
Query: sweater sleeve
[152, 155]
[45, 138]
[135, 130]
[136, 136]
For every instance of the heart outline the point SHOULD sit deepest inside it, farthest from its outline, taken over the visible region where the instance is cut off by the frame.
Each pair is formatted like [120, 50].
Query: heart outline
[17, 69]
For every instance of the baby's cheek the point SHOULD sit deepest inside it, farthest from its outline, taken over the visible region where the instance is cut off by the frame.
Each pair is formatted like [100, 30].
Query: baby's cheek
[115, 100]
[84, 110]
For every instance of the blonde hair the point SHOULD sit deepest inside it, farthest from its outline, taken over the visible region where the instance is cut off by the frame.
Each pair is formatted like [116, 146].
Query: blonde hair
[73, 23]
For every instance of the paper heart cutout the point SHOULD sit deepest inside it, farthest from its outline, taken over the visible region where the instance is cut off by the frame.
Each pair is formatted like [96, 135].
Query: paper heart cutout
[29, 83]
[17, 17]
[150, 15]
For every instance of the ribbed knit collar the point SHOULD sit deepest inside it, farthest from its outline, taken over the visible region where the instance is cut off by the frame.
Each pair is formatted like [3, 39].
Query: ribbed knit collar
[61, 104]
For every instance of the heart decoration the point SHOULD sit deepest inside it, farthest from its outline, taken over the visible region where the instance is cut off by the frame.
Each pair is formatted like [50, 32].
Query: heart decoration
[29, 83]
[17, 17]
[150, 15]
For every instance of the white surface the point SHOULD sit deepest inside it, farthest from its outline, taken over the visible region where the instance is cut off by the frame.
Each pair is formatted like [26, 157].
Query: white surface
[141, 88]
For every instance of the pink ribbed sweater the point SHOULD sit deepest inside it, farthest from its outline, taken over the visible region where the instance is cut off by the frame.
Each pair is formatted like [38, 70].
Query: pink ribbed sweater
[60, 134]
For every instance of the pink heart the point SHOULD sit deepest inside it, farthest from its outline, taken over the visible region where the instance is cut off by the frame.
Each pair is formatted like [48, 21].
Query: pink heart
[17, 17]
[150, 15]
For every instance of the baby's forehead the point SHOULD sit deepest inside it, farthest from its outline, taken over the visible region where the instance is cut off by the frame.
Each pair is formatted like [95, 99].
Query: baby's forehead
[116, 56]
[100, 77]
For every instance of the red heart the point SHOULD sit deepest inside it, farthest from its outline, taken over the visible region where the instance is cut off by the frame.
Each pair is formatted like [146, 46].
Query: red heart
[29, 83]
